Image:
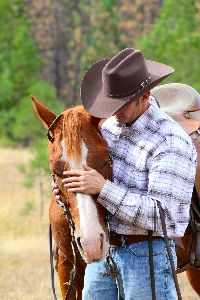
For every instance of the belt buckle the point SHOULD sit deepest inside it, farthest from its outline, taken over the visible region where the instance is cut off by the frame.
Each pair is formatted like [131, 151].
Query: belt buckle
[112, 234]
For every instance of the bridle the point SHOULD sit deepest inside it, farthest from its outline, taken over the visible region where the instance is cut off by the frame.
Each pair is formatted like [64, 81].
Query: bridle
[66, 212]
[50, 137]
[73, 271]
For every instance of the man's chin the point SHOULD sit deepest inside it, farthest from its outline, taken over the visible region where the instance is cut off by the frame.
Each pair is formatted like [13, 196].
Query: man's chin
[120, 119]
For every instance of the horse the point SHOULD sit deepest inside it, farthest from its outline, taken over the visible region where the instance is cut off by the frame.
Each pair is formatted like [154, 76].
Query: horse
[74, 138]
[182, 103]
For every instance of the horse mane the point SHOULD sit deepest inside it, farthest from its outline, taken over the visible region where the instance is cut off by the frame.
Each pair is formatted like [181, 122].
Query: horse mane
[73, 119]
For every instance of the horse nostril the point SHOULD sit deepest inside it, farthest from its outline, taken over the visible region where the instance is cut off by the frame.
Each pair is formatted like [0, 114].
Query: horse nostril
[78, 240]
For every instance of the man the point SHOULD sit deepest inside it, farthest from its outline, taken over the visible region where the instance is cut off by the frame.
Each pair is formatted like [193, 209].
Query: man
[153, 160]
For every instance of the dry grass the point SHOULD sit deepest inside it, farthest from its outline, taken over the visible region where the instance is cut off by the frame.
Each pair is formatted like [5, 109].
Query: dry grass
[24, 261]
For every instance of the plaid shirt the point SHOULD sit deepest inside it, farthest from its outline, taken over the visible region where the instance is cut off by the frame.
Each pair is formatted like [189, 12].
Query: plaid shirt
[153, 159]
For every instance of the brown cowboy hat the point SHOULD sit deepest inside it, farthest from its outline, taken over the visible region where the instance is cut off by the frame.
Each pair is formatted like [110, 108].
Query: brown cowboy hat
[110, 83]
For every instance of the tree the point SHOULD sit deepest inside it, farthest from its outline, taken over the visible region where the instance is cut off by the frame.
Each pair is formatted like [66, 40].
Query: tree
[136, 18]
[71, 35]
[175, 40]
[36, 172]
[19, 74]
[102, 37]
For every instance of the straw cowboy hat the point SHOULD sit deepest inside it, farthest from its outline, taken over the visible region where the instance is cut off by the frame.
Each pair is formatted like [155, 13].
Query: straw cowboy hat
[110, 83]
[177, 97]
[182, 103]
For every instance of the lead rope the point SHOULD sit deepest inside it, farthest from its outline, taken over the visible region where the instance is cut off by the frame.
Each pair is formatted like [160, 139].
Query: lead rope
[72, 278]
[51, 265]
[71, 281]
[113, 271]
[151, 265]
[162, 217]
[112, 267]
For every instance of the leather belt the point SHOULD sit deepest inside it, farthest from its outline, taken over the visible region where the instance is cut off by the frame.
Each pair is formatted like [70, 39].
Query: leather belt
[124, 240]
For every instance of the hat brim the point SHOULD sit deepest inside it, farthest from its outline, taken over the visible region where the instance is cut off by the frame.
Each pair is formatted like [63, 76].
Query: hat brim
[101, 106]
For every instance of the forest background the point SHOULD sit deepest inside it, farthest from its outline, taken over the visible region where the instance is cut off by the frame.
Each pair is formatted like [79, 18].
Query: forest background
[45, 48]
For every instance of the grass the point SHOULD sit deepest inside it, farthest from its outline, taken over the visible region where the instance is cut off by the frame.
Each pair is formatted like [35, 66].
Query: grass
[25, 268]
[24, 258]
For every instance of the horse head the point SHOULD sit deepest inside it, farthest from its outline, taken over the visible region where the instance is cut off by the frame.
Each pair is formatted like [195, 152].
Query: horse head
[74, 139]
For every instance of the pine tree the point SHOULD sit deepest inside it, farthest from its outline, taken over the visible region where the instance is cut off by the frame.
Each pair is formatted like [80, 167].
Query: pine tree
[175, 40]
[19, 68]
[102, 38]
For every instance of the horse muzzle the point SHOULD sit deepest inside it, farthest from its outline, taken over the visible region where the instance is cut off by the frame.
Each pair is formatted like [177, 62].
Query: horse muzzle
[93, 247]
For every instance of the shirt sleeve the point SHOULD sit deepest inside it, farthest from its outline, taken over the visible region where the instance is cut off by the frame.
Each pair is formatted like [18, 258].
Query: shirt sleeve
[171, 181]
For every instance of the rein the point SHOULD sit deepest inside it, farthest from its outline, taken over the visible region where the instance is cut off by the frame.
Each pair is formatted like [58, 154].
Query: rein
[70, 283]
[73, 272]
[195, 135]
[194, 256]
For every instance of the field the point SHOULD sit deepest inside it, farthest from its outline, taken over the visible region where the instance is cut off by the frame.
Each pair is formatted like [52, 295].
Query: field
[24, 259]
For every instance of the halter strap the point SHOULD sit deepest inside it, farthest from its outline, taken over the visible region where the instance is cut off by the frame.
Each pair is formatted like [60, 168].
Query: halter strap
[51, 138]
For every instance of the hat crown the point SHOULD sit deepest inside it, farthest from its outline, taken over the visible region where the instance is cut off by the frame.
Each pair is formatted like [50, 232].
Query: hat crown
[124, 74]
[111, 83]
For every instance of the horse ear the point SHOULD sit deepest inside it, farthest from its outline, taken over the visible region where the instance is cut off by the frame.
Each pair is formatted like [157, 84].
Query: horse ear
[43, 112]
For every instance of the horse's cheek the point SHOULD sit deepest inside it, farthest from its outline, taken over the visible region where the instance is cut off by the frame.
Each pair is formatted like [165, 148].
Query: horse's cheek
[97, 160]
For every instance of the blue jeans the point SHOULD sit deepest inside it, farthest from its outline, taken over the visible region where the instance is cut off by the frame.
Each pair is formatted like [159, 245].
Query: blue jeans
[132, 262]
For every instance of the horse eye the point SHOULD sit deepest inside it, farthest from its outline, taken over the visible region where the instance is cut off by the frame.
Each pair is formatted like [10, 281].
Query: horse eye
[50, 137]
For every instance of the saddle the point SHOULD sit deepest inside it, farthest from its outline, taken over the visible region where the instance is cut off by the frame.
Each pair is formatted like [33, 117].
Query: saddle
[195, 225]
[182, 103]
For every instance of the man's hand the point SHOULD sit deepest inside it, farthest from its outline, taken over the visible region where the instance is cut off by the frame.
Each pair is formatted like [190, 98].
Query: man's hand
[88, 181]
[55, 190]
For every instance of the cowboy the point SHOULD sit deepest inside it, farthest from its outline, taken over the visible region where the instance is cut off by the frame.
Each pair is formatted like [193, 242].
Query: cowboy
[153, 160]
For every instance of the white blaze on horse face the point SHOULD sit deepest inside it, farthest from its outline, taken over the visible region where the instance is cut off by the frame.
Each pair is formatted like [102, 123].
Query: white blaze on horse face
[74, 165]
[91, 233]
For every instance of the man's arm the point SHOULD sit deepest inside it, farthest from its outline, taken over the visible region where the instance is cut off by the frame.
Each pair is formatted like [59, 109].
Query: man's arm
[171, 180]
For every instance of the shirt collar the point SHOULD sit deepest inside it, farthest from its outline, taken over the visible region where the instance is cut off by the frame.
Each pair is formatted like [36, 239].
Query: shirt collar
[143, 121]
